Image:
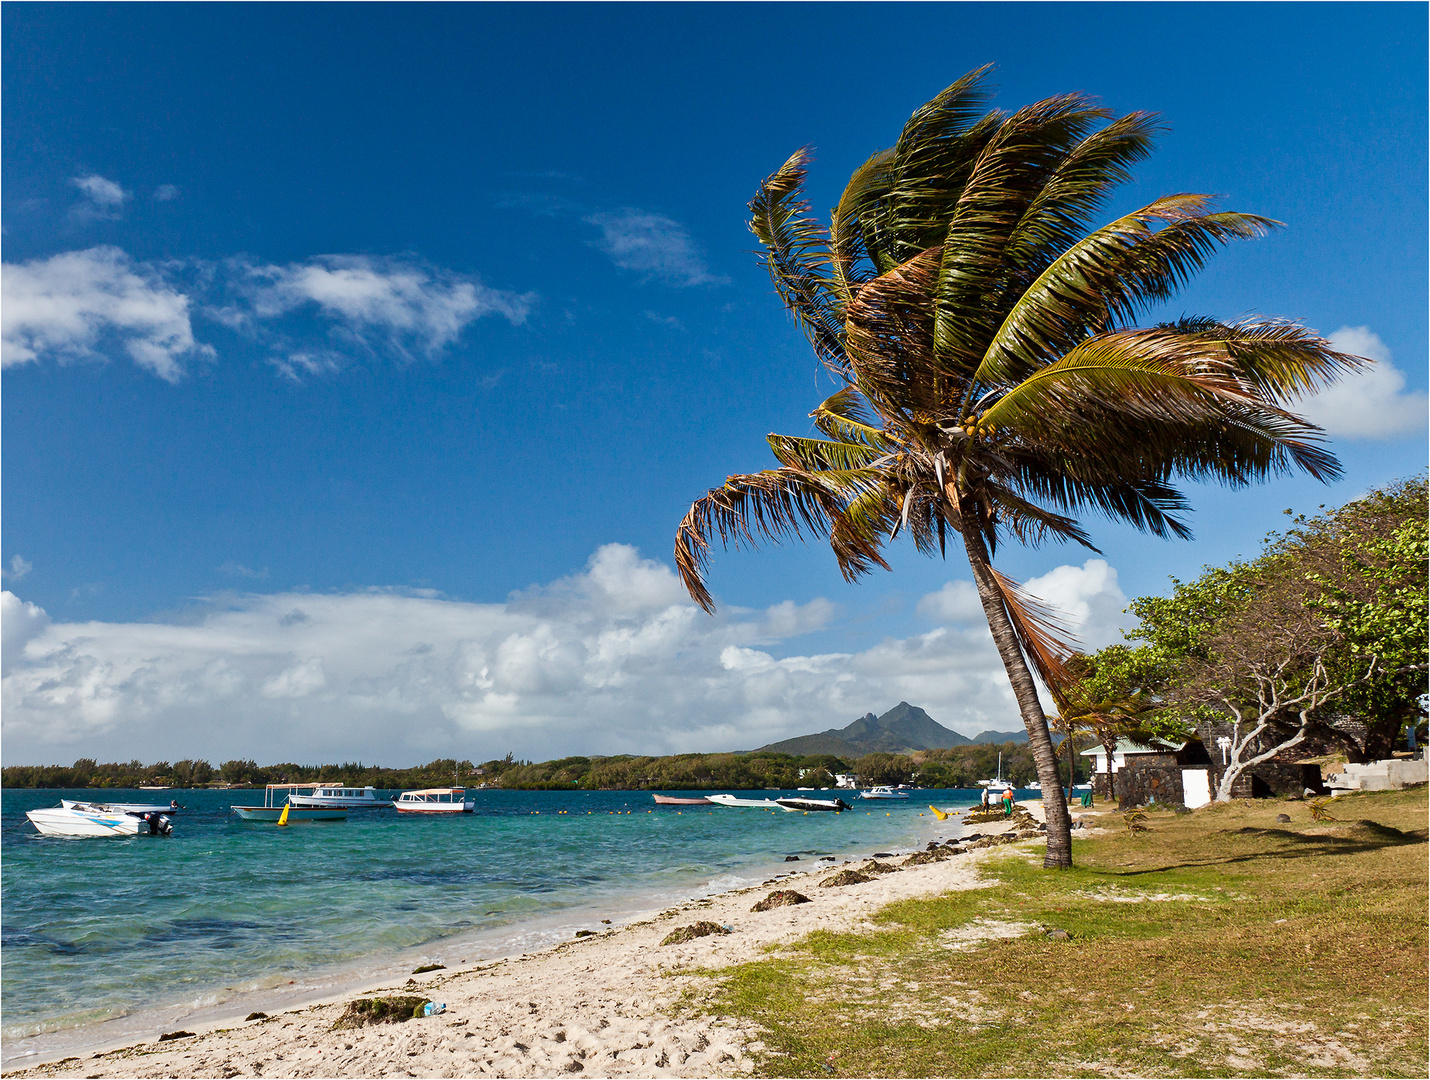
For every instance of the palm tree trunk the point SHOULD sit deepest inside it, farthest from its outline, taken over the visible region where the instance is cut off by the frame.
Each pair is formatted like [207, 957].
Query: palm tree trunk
[1055, 805]
[1110, 748]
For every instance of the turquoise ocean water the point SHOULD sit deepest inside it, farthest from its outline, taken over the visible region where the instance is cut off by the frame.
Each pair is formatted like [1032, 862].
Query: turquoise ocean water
[107, 939]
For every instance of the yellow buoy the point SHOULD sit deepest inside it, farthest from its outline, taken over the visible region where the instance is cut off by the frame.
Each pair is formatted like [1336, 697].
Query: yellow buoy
[283, 817]
[937, 813]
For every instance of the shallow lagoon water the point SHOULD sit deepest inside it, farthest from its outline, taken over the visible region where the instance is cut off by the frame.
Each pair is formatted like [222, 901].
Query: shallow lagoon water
[223, 911]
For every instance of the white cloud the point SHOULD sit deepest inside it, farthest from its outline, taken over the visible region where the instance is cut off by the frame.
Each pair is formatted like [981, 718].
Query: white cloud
[20, 622]
[1087, 598]
[1373, 404]
[957, 602]
[69, 306]
[166, 193]
[654, 246]
[102, 198]
[402, 303]
[19, 567]
[613, 659]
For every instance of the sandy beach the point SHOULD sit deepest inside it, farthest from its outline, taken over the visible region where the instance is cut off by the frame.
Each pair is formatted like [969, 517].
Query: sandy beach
[595, 1006]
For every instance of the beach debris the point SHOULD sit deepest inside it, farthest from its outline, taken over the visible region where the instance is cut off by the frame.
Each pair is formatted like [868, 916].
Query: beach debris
[1283, 819]
[255, 1016]
[781, 898]
[845, 877]
[791, 858]
[704, 928]
[874, 866]
[380, 1010]
[883, 854]
[1059, 935]
[1134, 820]
[826, 858]
[1319, 811]
[919, 858]
[605, 922]
[585, 933]
[429, 967]
[176, 1035]
[432, 1008]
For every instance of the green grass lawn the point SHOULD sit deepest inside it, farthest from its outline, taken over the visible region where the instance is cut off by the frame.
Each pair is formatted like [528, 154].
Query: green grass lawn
[1218, 943]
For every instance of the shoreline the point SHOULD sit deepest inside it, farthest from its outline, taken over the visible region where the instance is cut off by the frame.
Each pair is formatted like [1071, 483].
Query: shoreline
[520, 945]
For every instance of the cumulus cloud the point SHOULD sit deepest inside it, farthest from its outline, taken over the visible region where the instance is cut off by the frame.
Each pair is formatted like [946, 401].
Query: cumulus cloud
[1087, 597]
[72, 306]
[19, 567]
[1373, 404]
[654, 246]
[391, 302]
[612, 659]
[102, 198]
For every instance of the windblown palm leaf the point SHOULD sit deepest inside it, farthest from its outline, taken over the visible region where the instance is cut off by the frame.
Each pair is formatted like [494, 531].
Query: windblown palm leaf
[994, 384]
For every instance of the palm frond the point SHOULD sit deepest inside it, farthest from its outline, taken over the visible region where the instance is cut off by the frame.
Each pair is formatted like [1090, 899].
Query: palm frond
[820, 455]
[778, 504]
[1060, 212]
[797, 256]
[1042, 633]
[1105, 278]
[844, 416]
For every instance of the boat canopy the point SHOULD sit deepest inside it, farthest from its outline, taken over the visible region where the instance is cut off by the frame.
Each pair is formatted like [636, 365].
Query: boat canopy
[435, 791]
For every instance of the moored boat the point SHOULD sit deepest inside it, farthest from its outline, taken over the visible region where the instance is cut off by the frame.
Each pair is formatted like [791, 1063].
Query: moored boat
[808, 805]
[272, 811]
[671, 800]
[434, 801]
[755, 804]
[76, 821]
[335, 796]
[883, 791]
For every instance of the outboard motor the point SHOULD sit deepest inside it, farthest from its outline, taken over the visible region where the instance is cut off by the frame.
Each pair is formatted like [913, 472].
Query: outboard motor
[159, 825]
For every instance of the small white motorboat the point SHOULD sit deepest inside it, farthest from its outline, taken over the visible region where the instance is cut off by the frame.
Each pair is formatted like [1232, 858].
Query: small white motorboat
[883, 791]
[756, 804]
[438, 800]
[807, 805]
[76, 821]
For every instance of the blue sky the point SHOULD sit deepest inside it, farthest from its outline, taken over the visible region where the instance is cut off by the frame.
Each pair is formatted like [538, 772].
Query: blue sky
[438, 317]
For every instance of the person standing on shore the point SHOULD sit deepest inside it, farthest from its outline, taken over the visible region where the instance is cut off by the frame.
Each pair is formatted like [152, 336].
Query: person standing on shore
[1008, 803]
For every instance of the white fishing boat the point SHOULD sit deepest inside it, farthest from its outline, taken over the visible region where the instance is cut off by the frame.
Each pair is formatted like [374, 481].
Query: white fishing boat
[335, 796]
[76, 821]
[273, 806]
[438, 800]
[757, 804]
[883, 791]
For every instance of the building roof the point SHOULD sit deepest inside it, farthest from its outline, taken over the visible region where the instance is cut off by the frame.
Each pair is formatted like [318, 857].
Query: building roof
[1127, 746]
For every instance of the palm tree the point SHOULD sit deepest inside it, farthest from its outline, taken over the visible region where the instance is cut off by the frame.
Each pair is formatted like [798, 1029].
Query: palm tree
[993, 382]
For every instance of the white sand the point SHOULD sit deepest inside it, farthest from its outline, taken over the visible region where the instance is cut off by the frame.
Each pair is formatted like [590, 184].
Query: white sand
[596, 1006]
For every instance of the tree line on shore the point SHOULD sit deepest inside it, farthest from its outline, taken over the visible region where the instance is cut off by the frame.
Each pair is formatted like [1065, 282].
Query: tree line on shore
[956, 767]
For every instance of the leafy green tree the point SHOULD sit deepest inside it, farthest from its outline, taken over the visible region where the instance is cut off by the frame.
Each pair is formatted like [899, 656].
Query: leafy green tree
[993, 382]
[1324, 634]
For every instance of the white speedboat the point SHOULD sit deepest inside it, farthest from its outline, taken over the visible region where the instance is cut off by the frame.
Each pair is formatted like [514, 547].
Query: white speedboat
[997, 782]
[75, 821]
[757, 804]
[438, 800]
[336, 797]
[883, 791]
